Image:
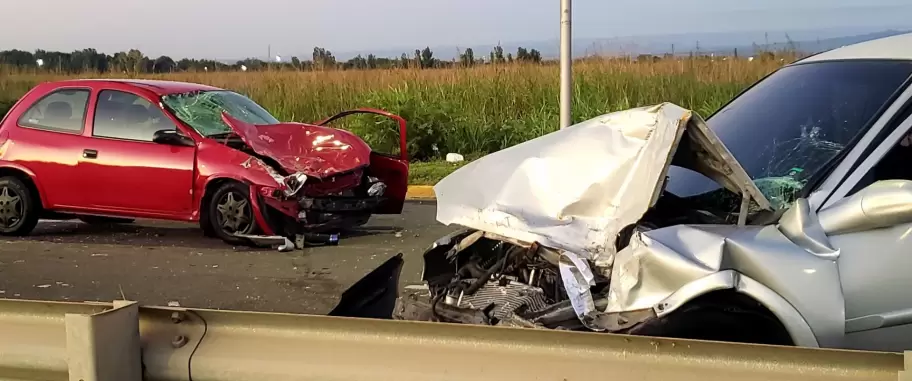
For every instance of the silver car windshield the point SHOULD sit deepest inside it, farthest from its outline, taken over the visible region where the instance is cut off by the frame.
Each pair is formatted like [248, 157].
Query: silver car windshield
[202, 110]
[789, 125]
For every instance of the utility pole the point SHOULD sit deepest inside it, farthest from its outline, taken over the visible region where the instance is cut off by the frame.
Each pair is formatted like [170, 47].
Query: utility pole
[566, 66]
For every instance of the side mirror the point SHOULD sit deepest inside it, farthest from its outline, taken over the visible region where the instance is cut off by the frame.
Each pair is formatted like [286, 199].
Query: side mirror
[882, 204]
[171, 137]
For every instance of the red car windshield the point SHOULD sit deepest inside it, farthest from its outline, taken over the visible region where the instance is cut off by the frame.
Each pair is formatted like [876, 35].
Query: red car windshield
[202, 110]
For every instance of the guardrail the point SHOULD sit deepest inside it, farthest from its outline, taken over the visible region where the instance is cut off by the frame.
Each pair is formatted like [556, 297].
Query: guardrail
[122, 341]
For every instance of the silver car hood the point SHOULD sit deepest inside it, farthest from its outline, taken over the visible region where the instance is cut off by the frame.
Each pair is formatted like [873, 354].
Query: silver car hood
[576, 188]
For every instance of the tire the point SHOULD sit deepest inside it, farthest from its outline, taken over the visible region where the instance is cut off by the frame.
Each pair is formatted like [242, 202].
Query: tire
[234, 200]
[99, 220]
[19, 209]
[718, 323]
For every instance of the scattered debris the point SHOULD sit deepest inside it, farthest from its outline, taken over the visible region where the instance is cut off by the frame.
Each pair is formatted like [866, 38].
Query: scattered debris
[454, 158]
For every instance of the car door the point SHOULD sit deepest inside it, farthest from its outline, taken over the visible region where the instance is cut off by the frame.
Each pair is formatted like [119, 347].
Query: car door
[125, 170]
[874, 264]
[47, 141]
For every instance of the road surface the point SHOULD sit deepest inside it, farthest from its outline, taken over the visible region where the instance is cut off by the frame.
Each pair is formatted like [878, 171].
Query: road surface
[155, 263]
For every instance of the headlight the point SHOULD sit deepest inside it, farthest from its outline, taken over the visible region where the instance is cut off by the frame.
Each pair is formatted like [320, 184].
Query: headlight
[294, 183]
[376, 189]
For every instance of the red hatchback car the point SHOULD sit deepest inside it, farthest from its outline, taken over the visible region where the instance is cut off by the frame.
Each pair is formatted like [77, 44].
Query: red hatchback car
[116, 150]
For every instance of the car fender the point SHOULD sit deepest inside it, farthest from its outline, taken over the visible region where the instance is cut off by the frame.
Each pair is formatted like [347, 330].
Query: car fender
[797, 327]
[30, 174]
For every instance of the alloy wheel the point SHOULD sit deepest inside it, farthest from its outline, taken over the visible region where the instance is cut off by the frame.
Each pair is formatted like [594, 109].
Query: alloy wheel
[12, 209]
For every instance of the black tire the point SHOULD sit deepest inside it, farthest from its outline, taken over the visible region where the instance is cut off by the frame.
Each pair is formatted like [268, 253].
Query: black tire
[718, 323]
[238, 193]
[19, 208]
[99, 220]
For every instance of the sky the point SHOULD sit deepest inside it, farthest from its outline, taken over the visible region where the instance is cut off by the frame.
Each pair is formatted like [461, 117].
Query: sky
[233, 29]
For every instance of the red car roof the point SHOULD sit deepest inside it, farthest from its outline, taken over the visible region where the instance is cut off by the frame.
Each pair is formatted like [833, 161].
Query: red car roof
[156, 86]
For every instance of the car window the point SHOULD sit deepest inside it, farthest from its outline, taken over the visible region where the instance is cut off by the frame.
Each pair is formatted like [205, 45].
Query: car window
[63, 110]
[786, 128]
[122, 115]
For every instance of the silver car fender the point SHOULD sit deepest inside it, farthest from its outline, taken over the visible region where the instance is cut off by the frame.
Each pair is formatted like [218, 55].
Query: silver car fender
[797, 327]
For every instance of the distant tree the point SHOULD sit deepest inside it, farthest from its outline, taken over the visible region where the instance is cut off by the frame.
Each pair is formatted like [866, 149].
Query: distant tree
[17, 58]
[404, 61]
[497, 55]
[371, 61]
[163, 64]
[467, 58]
[427, 58]
[323, 59]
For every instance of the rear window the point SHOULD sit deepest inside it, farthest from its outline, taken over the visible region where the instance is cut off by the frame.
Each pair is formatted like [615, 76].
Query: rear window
[62, 110]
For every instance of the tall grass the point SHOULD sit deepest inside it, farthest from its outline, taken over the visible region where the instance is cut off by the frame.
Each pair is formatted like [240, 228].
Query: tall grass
[470, 111]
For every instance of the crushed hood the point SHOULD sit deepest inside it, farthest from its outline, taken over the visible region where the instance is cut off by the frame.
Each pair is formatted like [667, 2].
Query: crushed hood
[576, 188]
[315, 151]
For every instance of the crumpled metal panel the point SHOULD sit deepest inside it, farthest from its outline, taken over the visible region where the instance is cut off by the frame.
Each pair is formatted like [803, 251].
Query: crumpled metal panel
[576, 188]
[315, 151]
[657, 263]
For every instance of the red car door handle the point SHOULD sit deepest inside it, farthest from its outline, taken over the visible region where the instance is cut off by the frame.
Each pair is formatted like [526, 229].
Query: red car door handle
[89, 153]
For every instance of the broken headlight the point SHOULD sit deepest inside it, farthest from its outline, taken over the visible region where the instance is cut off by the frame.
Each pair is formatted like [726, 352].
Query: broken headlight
[377, 187]
[294, 183]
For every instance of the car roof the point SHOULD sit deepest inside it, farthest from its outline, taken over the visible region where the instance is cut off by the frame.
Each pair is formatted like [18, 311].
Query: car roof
[158, 87]
[898, 47]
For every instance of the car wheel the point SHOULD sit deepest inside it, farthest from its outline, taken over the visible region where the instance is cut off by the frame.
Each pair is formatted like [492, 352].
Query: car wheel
[99, 220]
[718, 323]
[18, 209]
[230, 213]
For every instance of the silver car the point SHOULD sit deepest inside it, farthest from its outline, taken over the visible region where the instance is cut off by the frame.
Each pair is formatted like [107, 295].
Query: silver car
[785, 218]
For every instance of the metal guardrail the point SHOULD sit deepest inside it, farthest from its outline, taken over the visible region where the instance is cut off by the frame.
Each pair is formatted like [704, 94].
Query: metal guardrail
[122, 341]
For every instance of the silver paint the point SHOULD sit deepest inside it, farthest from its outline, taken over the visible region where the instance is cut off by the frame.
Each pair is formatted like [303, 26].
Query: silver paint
[672, 264]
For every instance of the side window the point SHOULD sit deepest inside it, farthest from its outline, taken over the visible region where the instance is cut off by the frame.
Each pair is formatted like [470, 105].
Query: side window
[895, 165]
[122, 115]
[62, 110]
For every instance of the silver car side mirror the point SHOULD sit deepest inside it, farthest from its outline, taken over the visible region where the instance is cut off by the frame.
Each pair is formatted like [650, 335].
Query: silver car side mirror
[882, 204]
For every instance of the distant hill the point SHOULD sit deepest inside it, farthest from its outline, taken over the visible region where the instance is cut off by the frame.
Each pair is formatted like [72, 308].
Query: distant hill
[810, 41]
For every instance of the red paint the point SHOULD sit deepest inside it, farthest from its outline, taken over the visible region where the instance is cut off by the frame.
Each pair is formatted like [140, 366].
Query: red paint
[315, 151]
[258, 212]
[148, 180]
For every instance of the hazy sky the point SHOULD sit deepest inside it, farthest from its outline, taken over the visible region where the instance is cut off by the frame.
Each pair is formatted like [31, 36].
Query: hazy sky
[234, 29]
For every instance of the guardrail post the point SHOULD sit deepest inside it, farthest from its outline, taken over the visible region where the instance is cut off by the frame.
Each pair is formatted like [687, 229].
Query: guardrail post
[906, 373]
[104, 346]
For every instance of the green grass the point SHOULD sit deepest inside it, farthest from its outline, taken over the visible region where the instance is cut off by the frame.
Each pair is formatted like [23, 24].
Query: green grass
[430, 172]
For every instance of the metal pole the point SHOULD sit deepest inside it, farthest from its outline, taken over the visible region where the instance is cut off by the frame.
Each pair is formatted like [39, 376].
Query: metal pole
[566, 62]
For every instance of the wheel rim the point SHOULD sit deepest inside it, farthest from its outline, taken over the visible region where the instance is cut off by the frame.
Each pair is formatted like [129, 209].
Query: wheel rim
[234, 215]
[11, 208]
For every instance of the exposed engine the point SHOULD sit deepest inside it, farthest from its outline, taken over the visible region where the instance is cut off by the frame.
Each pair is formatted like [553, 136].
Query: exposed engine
[475, 277]
[478, 278]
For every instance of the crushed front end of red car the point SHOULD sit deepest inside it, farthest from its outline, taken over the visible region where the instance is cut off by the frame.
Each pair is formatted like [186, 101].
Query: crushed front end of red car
[326, 179]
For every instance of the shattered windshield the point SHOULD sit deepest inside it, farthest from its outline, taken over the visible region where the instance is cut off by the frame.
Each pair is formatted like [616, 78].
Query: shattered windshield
[788, 126]
[202, 110]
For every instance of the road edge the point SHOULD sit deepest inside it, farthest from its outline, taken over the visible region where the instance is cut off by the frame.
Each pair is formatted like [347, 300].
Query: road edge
[420, 192]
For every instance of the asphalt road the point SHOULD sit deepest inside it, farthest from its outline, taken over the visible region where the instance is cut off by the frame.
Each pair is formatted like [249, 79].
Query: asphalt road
[155, 263]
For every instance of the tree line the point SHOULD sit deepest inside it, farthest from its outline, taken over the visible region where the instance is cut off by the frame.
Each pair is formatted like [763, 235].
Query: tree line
[134, 61]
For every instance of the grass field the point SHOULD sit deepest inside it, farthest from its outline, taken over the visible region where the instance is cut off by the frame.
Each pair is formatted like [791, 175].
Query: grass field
[471, 111]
